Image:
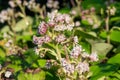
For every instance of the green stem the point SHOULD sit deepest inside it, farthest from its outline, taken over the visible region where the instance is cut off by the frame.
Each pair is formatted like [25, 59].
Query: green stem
[58, 52]
[107, 28]
[66, 53]
[22, 8]
[46, 49]
[78, 6]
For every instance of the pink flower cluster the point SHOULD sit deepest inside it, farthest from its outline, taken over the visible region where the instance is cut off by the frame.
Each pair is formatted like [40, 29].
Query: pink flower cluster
[41, 40]
[79, 51]
[60, 38]
[5, 15]
[70, 68]
[78, 61]
[42, 29]
[76, 51]
[60, 22]
[67, 67]
[82, 67]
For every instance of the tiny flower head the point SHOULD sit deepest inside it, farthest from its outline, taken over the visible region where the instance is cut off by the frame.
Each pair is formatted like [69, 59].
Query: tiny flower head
[8, 74]
[12, 4]
[42, 29]
[38, 40]
[76, 51]
[47, 39]
[60, 38]
[82, 67]
[75, 39]
[93, 57]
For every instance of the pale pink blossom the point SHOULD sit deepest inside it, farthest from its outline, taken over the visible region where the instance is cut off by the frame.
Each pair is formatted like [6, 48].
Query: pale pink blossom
[42, 29]
[60, 22]
[36, 49]
[51, 23]
[77, 23]
[12, 3]
[68, 68]
[85, 55]
[93, 57]
[47, 39]
[73, 12]
[18, 2]
[82, 67]
[38, 40]
[75, 39]
[52, 4]
[76, 51]
[9, 43]
[60, 38]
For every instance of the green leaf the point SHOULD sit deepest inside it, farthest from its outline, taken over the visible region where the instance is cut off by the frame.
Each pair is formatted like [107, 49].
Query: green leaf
[40, 63]
[23, 24]
[83, 34]
[25, 38]
[1, 37]
[114, 19]
[2, 53]
[116, 75]
[30, 56]
[116, 28]
[92, 33]
[101, 70]
[101, 48]
[39, 76]
[50, 49]
[117, 50]
[86, 46]
[115, 59]
[5, 29]
[49, 45]
[93, 3]
[2, 56]
[30, 76]
[114, 35]
[64, 10]
[68, 33]
[15, 67]
[85, 22]
[103, 34]
[51, 76]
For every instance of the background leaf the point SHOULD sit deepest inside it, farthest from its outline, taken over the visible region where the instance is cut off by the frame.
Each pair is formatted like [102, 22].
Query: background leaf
[22, 24]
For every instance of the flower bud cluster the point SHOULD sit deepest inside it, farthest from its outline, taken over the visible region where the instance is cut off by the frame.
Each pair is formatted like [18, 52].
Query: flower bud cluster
[111, 10]
[14, 3]
[42, 29]
[78, 62]
[9, 45]
[89, 16]
[53, 4]
[60, 22]
[41, 40]
[32, 5]
[56, 22]
[60, 38]
[68, 68]
[5, 15]
[76, 51]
